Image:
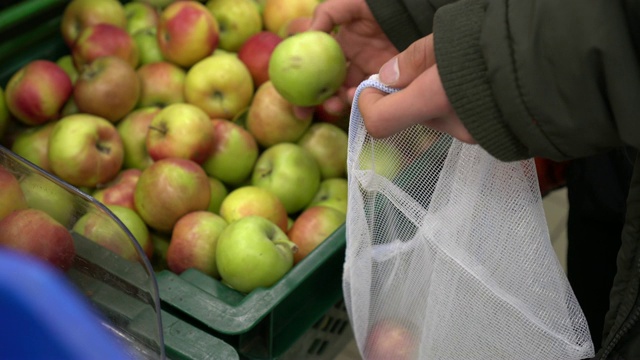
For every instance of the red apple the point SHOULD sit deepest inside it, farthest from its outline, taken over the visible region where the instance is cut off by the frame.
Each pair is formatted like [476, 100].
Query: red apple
[252, 200]
[119, 191]
[37, 92]
[34, 232]
[312, 227]
[193, 243]
[255, 54]
[180, 130]
[161, 84]
[294, 26]
[391, 339]
[11, 196]
[80, 14]
[104, 40]
[277, 13]
[187, 33]
[108, 87]
[169, 189]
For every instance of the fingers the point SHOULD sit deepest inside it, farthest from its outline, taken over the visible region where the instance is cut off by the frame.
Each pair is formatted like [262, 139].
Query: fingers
[401, 70]
[331, 13]
[420, 102]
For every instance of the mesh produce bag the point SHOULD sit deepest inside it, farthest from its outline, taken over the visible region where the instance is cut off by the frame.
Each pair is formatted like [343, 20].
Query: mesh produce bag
[448, 254]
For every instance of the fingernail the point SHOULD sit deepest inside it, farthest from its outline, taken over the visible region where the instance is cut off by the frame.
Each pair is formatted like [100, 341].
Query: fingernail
[389, 72]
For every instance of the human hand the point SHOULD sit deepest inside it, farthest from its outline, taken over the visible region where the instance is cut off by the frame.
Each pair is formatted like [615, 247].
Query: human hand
[365, 46]
[421, 100]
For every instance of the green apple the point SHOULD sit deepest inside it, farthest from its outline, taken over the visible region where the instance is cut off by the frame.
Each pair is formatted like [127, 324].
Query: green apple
[218, 192]
[290, 172]
[233, 155]
[180, 130]
[332, 193]
[137, 227]
[160, 248]
[140, 15]
[5, 117]
[253, 201]
[79, 14]
[36, 93]
[147, 42]
[34, 232]
[85, 150]
[253, 252]
[307, 68]
[328, 144]
[46, 195]
[277, 13]
[238, 20]
[161, 84]
[133, 132]
[108, 87]
[381, 157]
[11, 195]
[220, 84]
[187, 33]
[312, 227]
[271, 120]
[193, 243]
[169, 189]
[104, 40]
[66, 63]
[119, 191]
[32, 143]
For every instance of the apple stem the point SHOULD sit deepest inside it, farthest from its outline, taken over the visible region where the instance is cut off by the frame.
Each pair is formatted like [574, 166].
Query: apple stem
[162, 130]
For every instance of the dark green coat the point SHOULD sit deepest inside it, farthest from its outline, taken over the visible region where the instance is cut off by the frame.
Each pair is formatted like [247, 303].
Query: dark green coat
[551, 78]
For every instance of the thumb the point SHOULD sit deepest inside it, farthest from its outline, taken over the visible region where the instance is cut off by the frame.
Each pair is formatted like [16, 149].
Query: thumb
[403, 68]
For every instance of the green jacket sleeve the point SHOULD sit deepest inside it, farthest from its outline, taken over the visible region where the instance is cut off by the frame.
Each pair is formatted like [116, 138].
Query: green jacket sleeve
[549, 78]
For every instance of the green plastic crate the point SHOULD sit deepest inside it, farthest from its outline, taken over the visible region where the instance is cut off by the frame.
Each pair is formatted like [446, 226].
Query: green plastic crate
[300, 317]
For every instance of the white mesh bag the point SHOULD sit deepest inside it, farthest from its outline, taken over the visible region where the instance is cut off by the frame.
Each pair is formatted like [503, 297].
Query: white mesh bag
[448, 254]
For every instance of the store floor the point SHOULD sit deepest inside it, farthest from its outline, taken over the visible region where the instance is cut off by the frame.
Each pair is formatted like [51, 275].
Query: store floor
[555, 206]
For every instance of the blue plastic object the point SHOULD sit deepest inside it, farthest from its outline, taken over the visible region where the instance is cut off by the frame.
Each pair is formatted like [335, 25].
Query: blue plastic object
[43, 316]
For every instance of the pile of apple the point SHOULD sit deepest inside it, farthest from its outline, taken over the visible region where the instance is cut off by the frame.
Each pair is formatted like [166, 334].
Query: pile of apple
[179, 117]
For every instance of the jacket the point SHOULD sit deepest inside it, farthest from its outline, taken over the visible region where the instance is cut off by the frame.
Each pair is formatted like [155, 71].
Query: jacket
[544, 78]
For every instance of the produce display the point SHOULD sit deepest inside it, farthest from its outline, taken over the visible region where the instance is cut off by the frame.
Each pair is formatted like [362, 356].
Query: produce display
[176, 116]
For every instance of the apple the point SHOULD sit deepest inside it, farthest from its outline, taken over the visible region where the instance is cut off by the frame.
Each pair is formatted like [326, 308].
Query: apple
[253, 252]
[255, 53]
[193, 243]
[180, 130]
[133, 132]
[160, 248]
[80, 14]
[34, 232]
[307, 68]
[70, 107]
[312, 227]
[100, 228]
[277, 13]
[104, 40]
[161, 84]
[159, 4]
[36, 93]
[85, 150]
[119, 191]
[295, 26]
[11, 195]
[108, 87]
[391, 339]
[66, 63]
[32, 143]
[251, 200]
[218, 192]
[270, 118]
[220, 84]
[148, 47]
[328, 144]
[237, 19]
[43, 194]
[383, 158]
[332, 193]
[5, 116]
[233, 154]
[187, 33]
[140, 15]
[290, 172]
[334, 111]
[169, 189]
